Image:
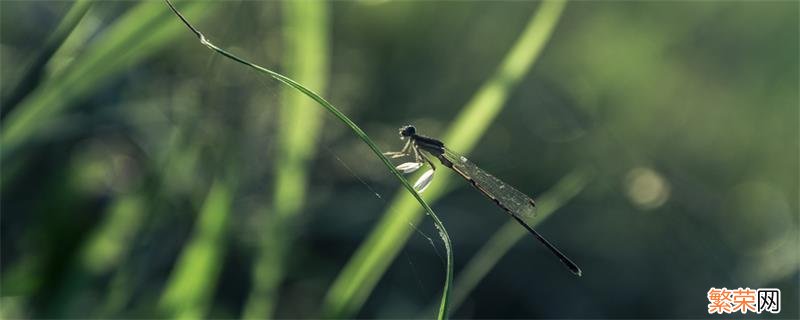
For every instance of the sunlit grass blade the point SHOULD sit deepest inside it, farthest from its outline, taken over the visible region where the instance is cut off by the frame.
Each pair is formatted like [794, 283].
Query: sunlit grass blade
[192, 282]
[305, 57]
[357, 280]
[139, 33]
[104, 251]
[504, 239]
[34, 72]
[174, 171]
[443, 308]
[110, 242]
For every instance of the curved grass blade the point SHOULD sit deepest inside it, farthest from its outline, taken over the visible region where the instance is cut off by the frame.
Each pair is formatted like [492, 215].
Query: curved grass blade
[443, 308]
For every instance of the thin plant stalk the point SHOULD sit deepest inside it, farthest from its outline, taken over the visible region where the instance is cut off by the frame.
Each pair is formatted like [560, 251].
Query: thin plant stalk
[443, 307]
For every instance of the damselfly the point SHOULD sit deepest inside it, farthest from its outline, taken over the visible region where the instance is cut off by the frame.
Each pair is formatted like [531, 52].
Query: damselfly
[515, 203]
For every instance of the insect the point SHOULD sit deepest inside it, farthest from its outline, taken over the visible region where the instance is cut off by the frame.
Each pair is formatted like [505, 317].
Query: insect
[515, 203]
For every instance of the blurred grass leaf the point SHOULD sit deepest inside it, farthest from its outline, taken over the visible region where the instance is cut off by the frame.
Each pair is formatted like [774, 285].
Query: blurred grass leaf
[192, 282]
[54, 41]
[305, 57]
[139, 33]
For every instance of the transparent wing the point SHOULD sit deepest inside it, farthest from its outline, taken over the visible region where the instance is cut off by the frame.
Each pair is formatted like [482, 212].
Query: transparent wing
[516, 203]
[511, 199]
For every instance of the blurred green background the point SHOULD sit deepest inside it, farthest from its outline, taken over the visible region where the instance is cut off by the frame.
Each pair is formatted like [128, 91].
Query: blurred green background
[144, 176]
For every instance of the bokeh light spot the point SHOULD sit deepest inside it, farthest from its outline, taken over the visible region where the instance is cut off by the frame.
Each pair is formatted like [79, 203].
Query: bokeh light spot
[646, 188]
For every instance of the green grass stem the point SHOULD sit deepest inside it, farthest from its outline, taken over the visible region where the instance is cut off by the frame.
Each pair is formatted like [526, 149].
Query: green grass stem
[443, 308]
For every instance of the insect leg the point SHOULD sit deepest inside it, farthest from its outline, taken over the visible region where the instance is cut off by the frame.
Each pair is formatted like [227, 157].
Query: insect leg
[419, 154]
[402, 153]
